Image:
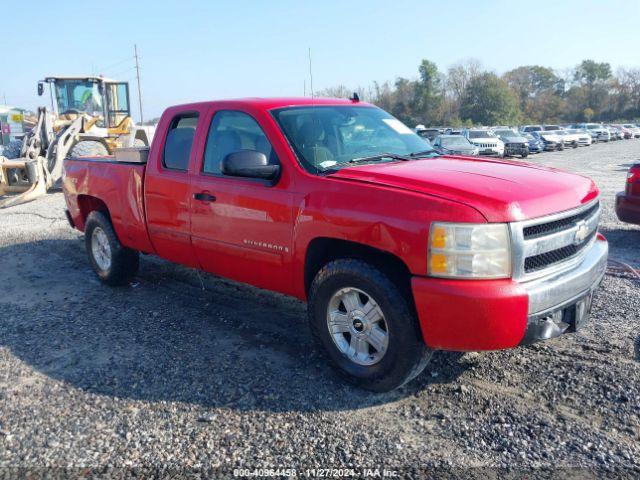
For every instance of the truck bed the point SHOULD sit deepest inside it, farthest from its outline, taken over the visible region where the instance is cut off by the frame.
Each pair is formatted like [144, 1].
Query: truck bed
[118, 186]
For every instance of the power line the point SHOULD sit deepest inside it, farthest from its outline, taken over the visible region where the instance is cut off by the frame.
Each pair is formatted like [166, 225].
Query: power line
[115, 64]
[310, 73]
[117, 74]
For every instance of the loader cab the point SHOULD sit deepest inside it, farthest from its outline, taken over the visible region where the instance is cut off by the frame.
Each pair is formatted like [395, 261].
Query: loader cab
[103, 99]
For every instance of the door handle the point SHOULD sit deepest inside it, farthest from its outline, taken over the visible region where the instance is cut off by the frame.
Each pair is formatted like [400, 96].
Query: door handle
[204, 197]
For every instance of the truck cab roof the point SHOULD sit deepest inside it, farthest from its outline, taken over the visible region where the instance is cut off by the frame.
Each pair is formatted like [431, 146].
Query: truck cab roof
[265, 103]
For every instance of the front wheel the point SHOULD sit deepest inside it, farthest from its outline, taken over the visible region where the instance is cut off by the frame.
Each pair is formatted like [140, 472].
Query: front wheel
[114, 263]
[524, 154]
[359, 317]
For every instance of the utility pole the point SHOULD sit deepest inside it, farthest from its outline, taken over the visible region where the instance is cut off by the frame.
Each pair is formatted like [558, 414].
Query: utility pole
[310, 73]
[4, 97]
[135, 54]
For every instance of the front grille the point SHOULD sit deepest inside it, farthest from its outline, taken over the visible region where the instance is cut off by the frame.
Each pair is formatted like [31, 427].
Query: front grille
[545, 244]
[544, 260]
[542, 229]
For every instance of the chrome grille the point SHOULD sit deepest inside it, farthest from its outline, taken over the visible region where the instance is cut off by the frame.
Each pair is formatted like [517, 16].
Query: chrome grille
[543, 260]
[551, 243]
[557, 225]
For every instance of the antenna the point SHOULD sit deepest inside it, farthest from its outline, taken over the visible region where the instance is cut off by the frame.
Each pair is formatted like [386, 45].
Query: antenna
[135, 54]
[310, 72]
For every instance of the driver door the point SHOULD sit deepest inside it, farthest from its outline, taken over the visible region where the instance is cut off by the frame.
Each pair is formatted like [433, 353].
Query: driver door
[241, 228]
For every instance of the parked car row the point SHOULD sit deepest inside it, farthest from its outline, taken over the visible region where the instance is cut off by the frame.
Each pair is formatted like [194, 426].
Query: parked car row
[506, 141]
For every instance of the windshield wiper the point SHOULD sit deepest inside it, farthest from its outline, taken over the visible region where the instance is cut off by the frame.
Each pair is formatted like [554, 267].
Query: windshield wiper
[424, 153]
[380, 156]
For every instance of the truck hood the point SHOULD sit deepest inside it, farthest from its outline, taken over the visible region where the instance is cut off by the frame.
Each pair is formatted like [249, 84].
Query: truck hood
[502, 191]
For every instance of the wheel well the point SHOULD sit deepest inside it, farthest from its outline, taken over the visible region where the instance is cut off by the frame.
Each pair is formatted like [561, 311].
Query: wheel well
[88, 204]
[324, 250]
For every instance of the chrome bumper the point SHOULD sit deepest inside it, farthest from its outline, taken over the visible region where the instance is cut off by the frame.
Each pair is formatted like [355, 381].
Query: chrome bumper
[561, 302]
[552, 292]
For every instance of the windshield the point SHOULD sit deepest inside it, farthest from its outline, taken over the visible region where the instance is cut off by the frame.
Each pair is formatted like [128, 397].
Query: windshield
[455, 141]
[79, 95]
[329, 137]
[480, 134]
[506, 133]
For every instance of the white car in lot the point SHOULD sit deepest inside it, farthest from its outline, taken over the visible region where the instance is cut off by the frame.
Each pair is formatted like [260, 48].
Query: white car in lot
[487, 142]
[576, 138]
[634, 129]
[599, 132]
[552, 138]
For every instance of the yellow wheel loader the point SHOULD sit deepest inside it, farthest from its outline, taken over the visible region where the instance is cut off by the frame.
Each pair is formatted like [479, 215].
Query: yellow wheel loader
[90, 116]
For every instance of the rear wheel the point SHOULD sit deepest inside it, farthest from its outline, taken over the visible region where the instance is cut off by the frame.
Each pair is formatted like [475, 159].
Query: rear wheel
[359, 317]
[88, 148]
[114, 263]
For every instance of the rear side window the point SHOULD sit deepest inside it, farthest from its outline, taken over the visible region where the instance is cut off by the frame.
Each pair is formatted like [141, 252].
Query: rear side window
[230, 132]
[177, 146]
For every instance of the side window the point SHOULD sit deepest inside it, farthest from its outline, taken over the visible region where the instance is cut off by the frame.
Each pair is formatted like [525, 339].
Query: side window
[231, 132]
[177, 146]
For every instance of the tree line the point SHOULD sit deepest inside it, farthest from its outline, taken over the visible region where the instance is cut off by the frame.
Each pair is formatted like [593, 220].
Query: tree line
[467, 94]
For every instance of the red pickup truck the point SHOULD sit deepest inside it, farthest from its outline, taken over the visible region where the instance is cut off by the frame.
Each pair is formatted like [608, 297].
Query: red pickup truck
[628, 201]
[399, 251]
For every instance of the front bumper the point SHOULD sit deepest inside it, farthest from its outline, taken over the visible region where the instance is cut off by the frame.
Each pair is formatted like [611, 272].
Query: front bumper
[491, 152]
[628, 208]
[467, 315]
[516, 150]
[536, 148]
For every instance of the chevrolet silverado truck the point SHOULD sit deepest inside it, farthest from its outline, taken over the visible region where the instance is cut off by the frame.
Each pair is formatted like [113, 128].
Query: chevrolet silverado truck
[397, 250]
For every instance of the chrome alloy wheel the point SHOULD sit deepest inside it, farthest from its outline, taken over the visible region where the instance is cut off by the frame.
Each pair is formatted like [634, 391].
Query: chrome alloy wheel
[100, 249]
[357, 326]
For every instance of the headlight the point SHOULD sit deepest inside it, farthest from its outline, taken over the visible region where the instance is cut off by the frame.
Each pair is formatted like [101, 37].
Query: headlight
[467, 250]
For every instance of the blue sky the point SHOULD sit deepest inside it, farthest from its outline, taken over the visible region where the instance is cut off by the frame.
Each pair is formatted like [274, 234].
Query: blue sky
[196, 50]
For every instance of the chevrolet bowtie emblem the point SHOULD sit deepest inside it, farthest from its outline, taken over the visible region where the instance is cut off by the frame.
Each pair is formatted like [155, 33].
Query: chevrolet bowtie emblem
[581, 233]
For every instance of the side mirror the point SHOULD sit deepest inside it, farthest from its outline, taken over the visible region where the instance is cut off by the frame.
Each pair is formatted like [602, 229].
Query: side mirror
[250, 164]
[40, 88]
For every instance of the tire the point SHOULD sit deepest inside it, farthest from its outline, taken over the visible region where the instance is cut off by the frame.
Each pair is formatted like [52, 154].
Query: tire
[560, 147]
[575, 144]
[404, 355]
[88, 148]
[524, 155]
[12, 149]
[113, 263]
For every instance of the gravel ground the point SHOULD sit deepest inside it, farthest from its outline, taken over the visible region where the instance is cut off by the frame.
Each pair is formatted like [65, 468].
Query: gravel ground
[182, 370]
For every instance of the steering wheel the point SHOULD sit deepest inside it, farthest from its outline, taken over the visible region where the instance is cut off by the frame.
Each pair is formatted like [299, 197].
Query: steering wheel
[365, 148]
